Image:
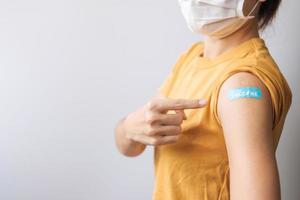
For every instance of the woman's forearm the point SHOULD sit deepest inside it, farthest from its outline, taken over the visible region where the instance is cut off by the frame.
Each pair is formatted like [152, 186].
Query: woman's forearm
[125, 145]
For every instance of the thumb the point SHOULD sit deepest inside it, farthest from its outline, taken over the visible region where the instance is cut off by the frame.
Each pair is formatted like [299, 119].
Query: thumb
[181, 112]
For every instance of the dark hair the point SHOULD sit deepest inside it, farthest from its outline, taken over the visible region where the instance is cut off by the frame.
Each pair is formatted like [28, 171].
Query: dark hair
[267, 12]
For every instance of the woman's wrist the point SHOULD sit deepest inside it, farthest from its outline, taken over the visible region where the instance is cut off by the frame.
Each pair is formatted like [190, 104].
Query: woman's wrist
[126, 131]
[128, 145]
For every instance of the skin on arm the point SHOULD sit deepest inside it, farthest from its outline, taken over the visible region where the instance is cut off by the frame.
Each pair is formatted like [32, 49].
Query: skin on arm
[247, 126]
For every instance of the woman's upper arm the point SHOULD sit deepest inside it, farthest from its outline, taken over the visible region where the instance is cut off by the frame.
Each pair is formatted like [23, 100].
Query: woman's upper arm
[247, 126]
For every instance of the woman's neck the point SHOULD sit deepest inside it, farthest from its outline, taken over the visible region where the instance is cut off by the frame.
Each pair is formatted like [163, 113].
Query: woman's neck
[214, 47]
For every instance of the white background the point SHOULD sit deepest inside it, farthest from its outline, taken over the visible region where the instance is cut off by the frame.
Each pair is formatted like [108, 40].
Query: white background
[69, 70]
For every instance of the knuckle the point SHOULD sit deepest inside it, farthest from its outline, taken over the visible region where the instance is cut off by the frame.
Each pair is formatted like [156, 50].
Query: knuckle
[179, 119]
[154, 142]
[151, 105]
[178, 129]
[151, 118]
[151, 131]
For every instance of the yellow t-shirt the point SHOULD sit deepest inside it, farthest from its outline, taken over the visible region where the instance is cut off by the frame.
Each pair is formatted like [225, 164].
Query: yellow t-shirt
[197, 167]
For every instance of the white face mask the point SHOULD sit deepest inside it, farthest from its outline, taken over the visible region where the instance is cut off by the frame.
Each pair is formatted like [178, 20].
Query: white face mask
[215, 18]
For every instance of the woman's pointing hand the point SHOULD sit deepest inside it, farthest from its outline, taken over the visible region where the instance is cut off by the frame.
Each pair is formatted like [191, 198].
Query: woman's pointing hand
[152, 125]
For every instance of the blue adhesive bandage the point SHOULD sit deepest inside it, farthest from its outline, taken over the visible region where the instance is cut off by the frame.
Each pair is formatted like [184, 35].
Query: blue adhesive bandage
[245, 92]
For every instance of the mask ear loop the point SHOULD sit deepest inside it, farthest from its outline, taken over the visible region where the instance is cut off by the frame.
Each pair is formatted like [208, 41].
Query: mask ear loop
[252, 10]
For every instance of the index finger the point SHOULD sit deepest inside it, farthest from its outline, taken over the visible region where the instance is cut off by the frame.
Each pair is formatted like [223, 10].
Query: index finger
[165, 104]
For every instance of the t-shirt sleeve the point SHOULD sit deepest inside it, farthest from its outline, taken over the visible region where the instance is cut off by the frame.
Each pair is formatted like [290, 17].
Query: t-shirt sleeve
[275, 84]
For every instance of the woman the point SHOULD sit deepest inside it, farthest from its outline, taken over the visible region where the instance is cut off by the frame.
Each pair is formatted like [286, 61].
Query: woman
[236, 125]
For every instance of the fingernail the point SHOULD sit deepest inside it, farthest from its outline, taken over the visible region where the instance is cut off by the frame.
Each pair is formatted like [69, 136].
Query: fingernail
[202, 101]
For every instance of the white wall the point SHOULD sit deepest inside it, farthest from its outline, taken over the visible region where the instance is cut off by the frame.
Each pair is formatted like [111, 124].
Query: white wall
[69, 70]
